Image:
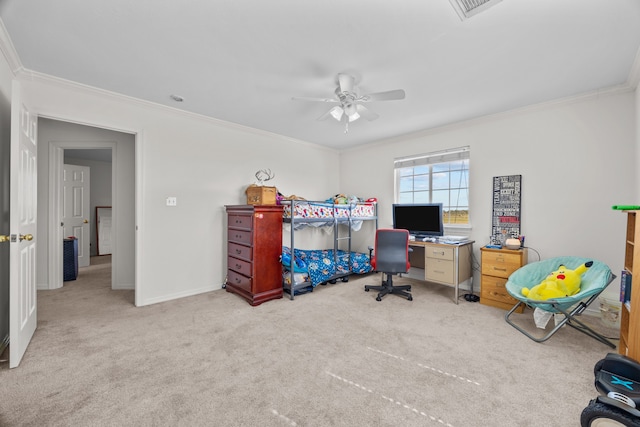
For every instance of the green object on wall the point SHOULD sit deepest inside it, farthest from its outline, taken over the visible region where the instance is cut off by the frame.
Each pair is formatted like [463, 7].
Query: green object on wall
[626, 207]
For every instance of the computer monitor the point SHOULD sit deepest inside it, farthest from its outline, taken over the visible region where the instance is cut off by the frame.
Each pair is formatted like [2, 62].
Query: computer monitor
[419, 219]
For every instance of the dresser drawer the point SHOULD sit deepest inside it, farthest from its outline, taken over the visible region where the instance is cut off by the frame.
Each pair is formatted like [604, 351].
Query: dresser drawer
[240, 236]
[240, 266]
[238, 280]
[439, 270]
[439, 252]
[240, 221]
[240, 251]
[493, 288]
[500, 264]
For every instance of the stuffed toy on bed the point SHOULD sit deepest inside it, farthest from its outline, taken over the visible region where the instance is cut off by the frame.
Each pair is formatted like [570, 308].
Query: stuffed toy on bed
[559, 284]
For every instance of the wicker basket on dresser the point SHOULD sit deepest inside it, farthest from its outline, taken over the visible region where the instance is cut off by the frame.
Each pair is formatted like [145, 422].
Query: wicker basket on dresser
[497, 266]
[254, 247]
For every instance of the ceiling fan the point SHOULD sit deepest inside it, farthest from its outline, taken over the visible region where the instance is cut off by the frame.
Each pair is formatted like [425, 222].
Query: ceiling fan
[350, 101]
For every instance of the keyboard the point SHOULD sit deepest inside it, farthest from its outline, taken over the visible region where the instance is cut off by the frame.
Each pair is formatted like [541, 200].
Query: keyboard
[453, 238]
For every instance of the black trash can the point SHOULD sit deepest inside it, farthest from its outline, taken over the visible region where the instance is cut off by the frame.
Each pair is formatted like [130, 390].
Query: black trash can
[70, 259]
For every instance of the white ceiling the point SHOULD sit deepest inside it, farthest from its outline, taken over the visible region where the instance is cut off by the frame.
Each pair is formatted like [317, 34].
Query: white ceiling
[243, 60]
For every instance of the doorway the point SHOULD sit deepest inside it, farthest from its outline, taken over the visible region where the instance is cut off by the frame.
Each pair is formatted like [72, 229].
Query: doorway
[92, 146]
[86, 196]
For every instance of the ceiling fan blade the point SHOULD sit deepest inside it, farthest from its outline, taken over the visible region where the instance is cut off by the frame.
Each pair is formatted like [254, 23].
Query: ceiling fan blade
[308, 98]
[336, 112]
[366, 113]
[383, 96]
[346, 82]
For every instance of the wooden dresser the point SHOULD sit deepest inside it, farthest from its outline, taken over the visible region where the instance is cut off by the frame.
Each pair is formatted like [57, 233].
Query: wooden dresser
[254, 246]
[497, 266]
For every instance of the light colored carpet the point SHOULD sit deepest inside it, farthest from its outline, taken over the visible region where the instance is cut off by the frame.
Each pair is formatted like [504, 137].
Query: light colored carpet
[334, 357]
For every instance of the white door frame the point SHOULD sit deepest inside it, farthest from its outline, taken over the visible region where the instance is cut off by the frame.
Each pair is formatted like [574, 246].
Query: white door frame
[139, 137]
[56, 165]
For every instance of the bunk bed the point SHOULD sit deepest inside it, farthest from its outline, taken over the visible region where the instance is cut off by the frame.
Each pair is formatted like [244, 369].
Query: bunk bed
[305, 269]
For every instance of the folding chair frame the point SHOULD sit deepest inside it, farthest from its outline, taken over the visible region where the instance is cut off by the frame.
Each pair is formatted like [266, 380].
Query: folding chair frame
[569, 316]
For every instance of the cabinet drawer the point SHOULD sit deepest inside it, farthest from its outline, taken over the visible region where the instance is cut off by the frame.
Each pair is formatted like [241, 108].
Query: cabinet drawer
[241, 266]
[238, 280]
[240, 236]
[498, 264]
[439, 270]
[240, 251]
[439, 252]
[240, 221]
[493, 288]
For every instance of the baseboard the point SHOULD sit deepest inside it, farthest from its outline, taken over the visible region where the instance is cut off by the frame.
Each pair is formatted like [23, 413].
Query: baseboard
[164, 298]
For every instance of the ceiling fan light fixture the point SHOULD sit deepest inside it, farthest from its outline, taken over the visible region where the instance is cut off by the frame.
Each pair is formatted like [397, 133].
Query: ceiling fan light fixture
[350, 110]
[337, 113]
[350, 106]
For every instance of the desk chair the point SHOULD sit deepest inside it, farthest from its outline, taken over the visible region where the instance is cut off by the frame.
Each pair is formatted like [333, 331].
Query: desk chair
[391, 256]
[593, 283]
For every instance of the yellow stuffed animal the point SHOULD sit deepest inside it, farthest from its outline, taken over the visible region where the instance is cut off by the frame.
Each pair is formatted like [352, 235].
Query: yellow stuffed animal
[559, 284]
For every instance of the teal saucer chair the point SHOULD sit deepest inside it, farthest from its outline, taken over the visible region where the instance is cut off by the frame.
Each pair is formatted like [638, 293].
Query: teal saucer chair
[594, 281]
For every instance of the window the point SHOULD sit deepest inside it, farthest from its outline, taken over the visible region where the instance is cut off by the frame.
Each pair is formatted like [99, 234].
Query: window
[441, 177]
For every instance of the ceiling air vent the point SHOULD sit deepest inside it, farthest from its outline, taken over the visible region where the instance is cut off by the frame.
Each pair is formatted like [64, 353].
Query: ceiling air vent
[467, 8]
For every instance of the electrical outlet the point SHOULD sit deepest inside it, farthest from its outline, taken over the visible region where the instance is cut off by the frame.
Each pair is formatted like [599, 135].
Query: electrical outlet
[172, 201]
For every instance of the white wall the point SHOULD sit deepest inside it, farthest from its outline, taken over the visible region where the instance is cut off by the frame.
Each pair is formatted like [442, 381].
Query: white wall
[577, 158]
[205, 163]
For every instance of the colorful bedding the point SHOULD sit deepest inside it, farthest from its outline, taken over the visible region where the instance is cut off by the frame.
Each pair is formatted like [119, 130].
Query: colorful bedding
[321, 210]
[322, 266]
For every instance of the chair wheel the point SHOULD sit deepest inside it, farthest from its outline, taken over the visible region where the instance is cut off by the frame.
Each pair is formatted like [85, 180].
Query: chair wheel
[366, 289]
[345, 279]
[410, 298]
[378, 299]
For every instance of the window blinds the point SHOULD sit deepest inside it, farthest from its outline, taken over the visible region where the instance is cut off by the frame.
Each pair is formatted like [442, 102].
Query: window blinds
[461, 153]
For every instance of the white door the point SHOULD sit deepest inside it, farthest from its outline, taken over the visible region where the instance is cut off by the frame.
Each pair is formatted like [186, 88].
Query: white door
[103, 216]
[23, 238]
[75, 209]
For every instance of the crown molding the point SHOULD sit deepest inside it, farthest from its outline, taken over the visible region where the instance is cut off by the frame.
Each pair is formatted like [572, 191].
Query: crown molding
[594, 94]
[19, 71]
[64, 84]
[9, 51]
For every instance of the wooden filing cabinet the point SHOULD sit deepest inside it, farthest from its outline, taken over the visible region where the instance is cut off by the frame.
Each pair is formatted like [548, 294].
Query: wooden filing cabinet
[254, 246]
[496, 267]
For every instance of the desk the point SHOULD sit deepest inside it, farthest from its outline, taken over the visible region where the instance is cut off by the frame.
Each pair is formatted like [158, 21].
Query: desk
[442, 263]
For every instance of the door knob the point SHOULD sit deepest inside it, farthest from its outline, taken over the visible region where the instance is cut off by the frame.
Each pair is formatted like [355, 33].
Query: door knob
[28, 237]
[4, 238]
[86, 221]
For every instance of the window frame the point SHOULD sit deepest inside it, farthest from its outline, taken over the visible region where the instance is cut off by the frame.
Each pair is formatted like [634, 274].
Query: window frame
[431, 160]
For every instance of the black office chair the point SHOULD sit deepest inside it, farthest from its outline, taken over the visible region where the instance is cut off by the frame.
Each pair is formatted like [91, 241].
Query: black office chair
[391, 256]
